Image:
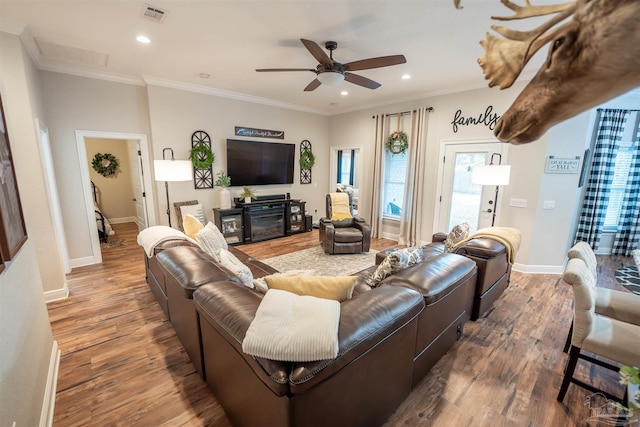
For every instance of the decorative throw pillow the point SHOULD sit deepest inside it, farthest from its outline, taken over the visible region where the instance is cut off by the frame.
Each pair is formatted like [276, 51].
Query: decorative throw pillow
[261, 285]
[458, 234]
[335, 288]
[235, 266]
[191, 225]
[394, 262]
[195, 210]
[211, 241]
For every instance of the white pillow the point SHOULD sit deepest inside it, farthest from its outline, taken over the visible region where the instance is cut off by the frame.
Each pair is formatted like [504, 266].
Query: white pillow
[235, 266]
[211, 240]
[195, 210]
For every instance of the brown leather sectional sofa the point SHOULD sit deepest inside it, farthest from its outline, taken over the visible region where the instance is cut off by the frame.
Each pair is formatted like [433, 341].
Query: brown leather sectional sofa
[389, 338]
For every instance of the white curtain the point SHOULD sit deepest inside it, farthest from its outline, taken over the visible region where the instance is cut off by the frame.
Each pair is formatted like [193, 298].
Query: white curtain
[411, 219]
[381, 132]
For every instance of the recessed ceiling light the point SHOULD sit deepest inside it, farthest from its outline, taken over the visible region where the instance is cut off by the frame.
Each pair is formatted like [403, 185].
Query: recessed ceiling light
[143, 39]
[406, 76]
[344, 93]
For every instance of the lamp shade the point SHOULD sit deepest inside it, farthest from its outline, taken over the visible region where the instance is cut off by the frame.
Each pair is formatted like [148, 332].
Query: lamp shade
[491, 174]
[330, 78]
[173, 170]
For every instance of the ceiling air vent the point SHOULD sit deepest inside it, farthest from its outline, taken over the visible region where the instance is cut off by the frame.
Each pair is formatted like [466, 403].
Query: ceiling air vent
[154, 13]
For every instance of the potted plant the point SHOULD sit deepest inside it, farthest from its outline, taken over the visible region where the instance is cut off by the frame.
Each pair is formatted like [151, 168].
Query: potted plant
[223, 181]
[247, 194]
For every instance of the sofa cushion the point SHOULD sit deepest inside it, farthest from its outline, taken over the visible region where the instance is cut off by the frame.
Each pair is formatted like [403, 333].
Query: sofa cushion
[195, 210]
[457, 235]
[191, 225]
[396, 261]
[347, 235]
[290, 327]
[233, 264]
[436, 278]
[211, 240]
[334, 288]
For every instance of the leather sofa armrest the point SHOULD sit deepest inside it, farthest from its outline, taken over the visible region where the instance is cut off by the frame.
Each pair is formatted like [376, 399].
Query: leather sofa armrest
[365, 228]
[365, 321]
[439, 237]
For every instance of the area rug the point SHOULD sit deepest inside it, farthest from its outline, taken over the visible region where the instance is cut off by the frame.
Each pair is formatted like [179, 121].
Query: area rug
[628, 277]
[323, 264]
[113, 244]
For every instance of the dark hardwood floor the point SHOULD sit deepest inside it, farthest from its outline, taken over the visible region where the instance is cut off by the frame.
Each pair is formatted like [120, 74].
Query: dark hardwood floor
[122, 363]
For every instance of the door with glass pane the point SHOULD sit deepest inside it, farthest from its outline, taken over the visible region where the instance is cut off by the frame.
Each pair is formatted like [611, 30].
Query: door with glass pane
[460, 200]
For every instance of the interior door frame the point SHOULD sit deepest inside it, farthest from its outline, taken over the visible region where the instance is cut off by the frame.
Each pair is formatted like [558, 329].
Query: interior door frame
[333, 172]
[86, 180]
[440, 175]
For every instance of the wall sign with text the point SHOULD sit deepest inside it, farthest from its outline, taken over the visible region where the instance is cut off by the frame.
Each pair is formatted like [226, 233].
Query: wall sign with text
[488, 118]
[259, 133]
[563, 164]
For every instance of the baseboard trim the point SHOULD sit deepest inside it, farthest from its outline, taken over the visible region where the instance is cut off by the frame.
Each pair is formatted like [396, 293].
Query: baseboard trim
[389, 236]
[538, 269]
[81, 262]
[49, 402]
[57, 294]
[122, 220]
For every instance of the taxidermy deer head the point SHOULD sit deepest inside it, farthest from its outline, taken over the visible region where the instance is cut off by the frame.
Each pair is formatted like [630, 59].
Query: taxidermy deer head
[592, 58]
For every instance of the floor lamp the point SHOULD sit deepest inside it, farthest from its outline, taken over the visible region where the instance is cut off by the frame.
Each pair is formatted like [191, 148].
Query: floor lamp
[170, 171]
[492, 174]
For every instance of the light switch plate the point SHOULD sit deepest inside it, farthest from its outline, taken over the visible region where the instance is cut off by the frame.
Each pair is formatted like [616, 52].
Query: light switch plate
[549, 204]
[518, 203]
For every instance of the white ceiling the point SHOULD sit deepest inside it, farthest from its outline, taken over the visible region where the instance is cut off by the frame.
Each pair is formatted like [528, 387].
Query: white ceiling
[230, 39]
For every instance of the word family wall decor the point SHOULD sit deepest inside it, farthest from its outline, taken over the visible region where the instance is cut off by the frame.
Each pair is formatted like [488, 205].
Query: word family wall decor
[202, 158]
[488, 118]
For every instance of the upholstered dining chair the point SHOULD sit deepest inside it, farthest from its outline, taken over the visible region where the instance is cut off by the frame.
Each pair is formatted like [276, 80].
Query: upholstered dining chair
[619, 305]
[341, 232]
[598, 335]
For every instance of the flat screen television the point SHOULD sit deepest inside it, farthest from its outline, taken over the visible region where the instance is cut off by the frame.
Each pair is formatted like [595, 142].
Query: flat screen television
[259, 163]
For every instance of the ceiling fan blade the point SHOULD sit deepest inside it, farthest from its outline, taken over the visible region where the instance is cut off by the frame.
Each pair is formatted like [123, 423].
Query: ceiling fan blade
[317, 52]
[313, 85]
[380, 61]
[260, 70]
[361, 81]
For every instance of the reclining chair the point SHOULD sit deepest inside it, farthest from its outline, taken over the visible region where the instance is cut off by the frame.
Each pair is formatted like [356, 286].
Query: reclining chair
[340, 231]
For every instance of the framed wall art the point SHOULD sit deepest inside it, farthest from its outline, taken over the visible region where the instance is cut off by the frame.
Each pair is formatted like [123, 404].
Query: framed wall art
[13, 232]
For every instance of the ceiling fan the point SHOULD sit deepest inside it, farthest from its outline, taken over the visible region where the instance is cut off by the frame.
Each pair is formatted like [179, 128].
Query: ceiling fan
[331, 73]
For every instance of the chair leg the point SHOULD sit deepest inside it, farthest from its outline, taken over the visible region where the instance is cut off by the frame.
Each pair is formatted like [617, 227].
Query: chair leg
[574, 352]
[567, 343]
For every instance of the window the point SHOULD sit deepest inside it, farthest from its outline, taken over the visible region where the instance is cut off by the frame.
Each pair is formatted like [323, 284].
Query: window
[618, 189]
[395, 172]
[346, 167]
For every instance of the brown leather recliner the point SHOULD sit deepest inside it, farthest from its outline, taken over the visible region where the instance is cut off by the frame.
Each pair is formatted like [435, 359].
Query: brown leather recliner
[347, 236]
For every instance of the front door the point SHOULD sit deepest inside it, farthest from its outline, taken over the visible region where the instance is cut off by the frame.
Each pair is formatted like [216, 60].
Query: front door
[460, 200]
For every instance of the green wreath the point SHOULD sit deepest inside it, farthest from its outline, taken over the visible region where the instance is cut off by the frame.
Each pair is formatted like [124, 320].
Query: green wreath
[397, 142]
[307, 160]
[105, 164]
[202, 157]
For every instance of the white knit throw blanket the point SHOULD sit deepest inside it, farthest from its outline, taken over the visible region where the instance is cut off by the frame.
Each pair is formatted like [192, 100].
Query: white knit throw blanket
[293, 328]
[150, 237]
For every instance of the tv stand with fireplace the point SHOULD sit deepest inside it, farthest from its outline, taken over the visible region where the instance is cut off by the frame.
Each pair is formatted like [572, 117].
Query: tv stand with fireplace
[266, 217]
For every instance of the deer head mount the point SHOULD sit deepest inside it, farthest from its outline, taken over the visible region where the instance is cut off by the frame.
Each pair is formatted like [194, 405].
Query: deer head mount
[593, 57]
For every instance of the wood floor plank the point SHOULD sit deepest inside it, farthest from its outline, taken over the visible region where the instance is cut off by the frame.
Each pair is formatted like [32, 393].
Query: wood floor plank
[123, 365]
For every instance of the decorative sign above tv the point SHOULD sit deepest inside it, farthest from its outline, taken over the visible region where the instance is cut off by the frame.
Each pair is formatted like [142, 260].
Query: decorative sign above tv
[260, 163]
[259, 133]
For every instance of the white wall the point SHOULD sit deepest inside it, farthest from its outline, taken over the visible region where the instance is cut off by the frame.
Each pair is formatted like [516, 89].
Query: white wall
[78, 103]
[176, 114]
[26, 341]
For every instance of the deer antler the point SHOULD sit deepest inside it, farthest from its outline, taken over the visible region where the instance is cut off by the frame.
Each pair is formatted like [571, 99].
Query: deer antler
[504, 59]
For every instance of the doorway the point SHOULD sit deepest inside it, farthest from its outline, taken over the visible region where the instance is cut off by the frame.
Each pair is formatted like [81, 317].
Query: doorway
[139, 167]
[460, 200]
[345, 172]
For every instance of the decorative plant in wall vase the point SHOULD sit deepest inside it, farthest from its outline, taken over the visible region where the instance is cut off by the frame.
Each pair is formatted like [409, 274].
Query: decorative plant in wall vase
[223, 181]
[247, 194]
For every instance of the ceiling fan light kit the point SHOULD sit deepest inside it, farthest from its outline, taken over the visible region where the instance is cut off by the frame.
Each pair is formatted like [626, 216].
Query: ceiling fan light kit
[332, 73]
[331, 78]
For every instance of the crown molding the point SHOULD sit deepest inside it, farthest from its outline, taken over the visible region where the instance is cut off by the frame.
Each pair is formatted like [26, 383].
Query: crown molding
[205, 90]
[46, 65]
[11, 27]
